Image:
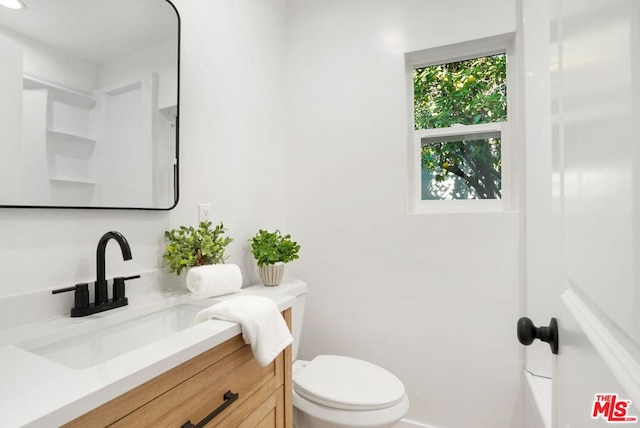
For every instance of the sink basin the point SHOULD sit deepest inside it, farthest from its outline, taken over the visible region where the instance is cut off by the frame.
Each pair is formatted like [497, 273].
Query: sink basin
[94, 341]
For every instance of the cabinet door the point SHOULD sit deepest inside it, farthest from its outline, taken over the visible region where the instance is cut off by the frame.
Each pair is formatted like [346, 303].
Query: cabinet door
[270, 414]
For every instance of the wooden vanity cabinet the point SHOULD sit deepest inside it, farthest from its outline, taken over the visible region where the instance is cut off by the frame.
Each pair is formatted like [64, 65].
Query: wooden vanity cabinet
[193, 390]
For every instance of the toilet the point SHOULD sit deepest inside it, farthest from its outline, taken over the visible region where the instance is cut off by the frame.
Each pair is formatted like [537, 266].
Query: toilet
[334, 391]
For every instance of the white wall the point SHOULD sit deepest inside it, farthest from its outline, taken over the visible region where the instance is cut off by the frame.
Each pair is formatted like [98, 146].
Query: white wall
[433, 298]
[231, 120]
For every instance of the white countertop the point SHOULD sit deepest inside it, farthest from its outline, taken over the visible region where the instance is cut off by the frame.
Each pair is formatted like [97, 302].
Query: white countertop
[37, 392]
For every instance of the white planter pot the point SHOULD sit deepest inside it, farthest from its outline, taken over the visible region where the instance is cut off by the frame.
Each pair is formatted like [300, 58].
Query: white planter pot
[271, 275]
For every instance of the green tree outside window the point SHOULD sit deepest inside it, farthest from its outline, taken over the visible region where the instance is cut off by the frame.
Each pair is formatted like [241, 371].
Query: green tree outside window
[468, 92]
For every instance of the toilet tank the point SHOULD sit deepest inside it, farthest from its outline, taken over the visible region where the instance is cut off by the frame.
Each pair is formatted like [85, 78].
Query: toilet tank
[290, 287]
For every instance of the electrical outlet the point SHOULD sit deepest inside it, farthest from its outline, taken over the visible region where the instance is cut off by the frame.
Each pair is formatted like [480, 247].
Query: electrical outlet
[204, 212]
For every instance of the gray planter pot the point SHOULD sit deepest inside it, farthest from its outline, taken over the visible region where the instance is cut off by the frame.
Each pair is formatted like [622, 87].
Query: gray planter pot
[271, 275]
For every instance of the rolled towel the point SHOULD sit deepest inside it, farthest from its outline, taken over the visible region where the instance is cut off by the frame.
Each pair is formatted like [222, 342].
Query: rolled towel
[263, 326]
[213, 280]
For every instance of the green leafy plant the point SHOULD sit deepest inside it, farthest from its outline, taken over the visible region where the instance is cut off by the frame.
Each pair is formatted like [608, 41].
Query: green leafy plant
[271, 247]
[188, 247]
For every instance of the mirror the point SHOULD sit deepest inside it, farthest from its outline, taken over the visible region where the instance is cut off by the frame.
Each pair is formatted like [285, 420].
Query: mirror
[89, 104]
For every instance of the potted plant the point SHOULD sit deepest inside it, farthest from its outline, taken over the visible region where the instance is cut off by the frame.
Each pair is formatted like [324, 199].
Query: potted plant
[271, 251]
[188, 247]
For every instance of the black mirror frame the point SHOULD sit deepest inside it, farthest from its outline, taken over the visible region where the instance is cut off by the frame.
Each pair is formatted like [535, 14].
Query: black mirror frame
[176, 168]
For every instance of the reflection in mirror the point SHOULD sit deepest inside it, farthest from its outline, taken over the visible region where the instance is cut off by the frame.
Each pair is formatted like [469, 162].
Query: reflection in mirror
[89, 104]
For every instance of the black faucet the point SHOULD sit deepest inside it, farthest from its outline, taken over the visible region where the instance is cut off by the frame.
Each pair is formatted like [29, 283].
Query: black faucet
[102, 302]
[101, 282]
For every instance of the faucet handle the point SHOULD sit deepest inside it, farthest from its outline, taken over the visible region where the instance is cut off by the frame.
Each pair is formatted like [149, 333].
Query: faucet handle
[118, 286]
[81, 295]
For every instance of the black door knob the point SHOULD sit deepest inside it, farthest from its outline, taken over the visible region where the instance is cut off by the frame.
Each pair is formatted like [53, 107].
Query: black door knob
[527, 333]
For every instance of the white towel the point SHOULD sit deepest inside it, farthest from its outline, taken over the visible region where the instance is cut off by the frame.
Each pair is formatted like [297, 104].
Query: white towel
[263, 327]
[213, 280]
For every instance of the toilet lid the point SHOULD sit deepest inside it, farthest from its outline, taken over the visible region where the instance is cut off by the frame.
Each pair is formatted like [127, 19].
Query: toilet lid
[348, 383]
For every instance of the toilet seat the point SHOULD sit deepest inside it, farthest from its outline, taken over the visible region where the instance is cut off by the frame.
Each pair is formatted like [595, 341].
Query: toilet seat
[348, 383]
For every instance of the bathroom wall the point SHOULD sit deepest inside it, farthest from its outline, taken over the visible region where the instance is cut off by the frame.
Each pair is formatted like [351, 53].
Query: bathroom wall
[231, 120]
[433, 298]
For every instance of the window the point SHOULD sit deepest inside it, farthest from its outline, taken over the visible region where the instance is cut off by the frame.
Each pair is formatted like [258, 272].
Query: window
[464, 166]
[460, 146]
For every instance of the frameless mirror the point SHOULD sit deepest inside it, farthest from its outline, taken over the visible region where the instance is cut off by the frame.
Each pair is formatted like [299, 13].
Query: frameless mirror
[89, 104]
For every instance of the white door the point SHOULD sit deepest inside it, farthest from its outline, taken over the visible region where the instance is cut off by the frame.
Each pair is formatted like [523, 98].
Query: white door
[595, 181]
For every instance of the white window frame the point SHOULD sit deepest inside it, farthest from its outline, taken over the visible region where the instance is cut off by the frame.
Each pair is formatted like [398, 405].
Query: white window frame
[453, 53]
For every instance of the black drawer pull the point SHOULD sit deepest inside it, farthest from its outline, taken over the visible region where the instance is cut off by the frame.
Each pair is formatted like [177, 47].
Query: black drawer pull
[229, 397]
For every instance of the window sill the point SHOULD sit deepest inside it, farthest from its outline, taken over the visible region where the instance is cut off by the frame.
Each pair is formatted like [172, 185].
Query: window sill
[461, 206]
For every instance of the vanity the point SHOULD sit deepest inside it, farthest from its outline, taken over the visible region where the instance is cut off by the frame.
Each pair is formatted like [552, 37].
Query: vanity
[201, 375]
[224, 385]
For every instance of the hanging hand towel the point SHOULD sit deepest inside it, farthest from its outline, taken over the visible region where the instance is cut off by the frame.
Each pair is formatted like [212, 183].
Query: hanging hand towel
[213, 280]
[263, 327]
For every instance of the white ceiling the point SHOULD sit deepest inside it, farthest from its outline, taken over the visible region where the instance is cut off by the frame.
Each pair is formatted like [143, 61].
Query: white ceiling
[97, 30]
